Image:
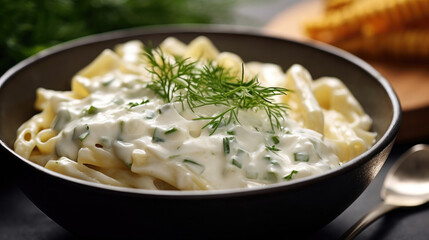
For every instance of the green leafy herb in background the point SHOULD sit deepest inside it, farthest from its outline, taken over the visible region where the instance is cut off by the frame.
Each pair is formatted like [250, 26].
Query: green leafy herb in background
[26, 27]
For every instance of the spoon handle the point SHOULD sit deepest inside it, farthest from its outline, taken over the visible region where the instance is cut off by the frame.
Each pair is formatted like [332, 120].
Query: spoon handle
[370, 217]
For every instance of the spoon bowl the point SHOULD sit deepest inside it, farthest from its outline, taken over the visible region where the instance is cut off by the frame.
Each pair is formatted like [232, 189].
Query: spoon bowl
[406, 185]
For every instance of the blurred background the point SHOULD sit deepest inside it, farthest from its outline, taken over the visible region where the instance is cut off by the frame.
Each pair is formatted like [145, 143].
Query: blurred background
[27, 27]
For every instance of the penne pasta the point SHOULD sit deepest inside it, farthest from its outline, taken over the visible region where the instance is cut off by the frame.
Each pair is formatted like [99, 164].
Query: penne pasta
[190, 117]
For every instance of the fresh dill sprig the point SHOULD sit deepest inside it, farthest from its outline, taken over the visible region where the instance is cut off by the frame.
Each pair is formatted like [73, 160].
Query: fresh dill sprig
[182, 81]
[217, 86]
[169, 77]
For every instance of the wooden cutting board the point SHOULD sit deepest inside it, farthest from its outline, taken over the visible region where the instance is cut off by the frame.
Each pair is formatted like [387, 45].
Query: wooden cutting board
[409, 80]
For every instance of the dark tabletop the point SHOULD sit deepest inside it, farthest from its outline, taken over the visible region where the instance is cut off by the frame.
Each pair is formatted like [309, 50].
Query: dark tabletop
[21, 219]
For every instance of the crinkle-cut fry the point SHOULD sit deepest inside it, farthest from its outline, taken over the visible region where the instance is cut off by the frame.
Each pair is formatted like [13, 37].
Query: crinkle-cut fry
[367, 18]
[332, 5]
[407, 44]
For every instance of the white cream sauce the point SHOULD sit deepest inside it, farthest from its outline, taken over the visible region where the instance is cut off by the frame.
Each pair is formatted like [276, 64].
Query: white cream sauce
[125, 118]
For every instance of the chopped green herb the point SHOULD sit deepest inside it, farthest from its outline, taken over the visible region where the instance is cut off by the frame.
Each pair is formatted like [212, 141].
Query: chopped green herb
[236, 163]
[196, 167]
[173, 156]
[191, 161]
[62, 118]
[271, 176]
[135, 104]
[85, 134]
[123, 151]
[121, 126]
[155, 137]
[92, 110]
[170, 130]
[301, 157]
[231, 132]
[316, 148]
[226, 145]
[149, 115]
[118, 101]
[251, 174]
[273, 148]
[107, 81]
[165, 107]
[240, 152]
[275, 139]
[271, 131]
[106, 141]
[274, 162]
[289, 177]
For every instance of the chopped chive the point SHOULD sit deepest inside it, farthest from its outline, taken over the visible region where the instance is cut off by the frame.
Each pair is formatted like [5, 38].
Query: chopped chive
[271, 176]
[121, 125]
[135, 104]
[191, 162]
[85, 134]
[170, 130]
[62, 118]
[275, 139]
[149, 115]
[315, 146]
[240, 152]
[92, 110]
[118, 101]
[251, 175]
[231, 132]
[301, 157]
[196, 167]
[236, 163]
[226, 145]
[122, 151]
[289, 177]
[106, 141]
[108, 81]
[274, 162]
[272, 148]
[155, 137]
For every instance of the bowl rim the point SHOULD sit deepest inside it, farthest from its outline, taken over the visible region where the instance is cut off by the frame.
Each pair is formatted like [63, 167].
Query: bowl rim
[202, 29]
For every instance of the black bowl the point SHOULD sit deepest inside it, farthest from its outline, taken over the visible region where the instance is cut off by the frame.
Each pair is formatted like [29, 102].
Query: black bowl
[290, 208]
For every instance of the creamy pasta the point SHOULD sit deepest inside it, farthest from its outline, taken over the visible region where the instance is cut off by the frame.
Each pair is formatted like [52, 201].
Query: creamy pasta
[189, 117]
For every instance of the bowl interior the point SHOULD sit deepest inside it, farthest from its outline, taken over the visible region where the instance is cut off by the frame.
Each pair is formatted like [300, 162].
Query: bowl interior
[54, 68]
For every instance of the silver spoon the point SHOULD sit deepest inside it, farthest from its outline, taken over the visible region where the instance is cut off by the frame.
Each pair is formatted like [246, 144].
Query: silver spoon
[406, 185]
